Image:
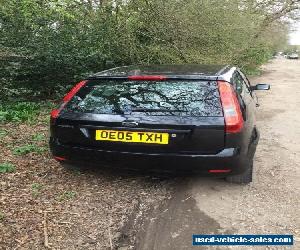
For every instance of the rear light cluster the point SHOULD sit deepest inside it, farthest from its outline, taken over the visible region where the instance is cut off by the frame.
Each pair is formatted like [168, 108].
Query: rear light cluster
[66, 99]
[231, 108]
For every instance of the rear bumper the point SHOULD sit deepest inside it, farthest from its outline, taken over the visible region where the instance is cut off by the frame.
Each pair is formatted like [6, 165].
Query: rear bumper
[229, 158]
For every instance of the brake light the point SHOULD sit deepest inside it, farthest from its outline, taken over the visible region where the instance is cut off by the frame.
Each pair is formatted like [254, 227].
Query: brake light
[231, 108]
[66, 99]
[54, 113]
[219, 170]
[147, 78]
[73, 91]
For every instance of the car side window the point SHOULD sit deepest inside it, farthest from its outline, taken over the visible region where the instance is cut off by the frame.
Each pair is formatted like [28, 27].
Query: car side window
[246, 82]
[238, 83]
[241, 84]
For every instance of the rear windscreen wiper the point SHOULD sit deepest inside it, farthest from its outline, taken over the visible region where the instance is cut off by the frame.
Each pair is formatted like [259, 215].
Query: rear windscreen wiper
[155, 110]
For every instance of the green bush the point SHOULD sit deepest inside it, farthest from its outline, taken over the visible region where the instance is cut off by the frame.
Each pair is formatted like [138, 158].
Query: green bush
[7, 168]
[46, 46]
[19, 111]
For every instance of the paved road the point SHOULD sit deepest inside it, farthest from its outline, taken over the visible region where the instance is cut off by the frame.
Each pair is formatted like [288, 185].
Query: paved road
[269, 205]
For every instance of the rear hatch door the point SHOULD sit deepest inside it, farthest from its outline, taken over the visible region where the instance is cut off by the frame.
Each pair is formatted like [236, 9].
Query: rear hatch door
[189, 113]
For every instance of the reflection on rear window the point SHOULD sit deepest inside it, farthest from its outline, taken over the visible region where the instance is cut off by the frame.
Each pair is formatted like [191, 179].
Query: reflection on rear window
[180, 98]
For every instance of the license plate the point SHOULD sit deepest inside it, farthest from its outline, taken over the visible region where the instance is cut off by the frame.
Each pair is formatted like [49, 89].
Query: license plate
[132, 136]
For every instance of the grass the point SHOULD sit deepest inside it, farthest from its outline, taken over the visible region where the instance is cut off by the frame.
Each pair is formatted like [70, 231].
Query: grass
[2, 216]
[3, 133]
[38, 137]
[7, 167]
[67, 195]
[28, 148]
[253, 72]
[36, 189]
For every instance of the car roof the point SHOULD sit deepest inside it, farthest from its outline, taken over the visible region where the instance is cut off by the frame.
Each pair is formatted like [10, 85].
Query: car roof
[193, 71]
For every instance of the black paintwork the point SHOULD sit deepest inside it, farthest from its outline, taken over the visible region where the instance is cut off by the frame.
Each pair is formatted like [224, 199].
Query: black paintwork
[200, 143]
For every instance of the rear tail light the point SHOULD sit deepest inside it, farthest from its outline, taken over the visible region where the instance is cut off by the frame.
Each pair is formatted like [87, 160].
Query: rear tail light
[66, 99]
[231, 108]
[147, 78]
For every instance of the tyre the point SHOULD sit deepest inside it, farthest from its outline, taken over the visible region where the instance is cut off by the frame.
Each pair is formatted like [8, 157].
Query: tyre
[67, 166]
[244, 178]
[73, 167]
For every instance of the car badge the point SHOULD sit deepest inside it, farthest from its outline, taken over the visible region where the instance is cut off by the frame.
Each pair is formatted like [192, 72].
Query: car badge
[130, 124]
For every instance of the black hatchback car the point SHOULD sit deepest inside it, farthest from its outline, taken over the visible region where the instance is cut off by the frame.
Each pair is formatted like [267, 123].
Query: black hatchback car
[183, 118]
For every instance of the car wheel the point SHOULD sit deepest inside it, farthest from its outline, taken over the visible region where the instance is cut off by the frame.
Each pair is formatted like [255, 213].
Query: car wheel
[73, 167]
[244, 178]
[67, 165]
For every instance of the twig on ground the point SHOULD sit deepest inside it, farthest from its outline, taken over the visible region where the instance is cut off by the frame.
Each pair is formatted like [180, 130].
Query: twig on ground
[109, 234]
[46, 240]
[70, 213]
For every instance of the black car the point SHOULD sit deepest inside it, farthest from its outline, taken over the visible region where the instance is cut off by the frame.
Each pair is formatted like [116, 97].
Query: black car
[183, 118]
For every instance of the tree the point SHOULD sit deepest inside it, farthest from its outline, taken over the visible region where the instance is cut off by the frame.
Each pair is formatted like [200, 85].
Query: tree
[49, 44]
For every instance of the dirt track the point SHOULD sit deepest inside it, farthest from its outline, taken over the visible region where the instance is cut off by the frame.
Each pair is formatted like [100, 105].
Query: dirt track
[269, 205]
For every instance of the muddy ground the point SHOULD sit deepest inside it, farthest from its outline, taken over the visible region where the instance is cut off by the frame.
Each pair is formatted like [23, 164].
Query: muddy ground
[43, 205]
[269, 205]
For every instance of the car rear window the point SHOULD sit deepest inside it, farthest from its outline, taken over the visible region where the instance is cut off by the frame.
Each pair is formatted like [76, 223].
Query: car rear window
[180, 98]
